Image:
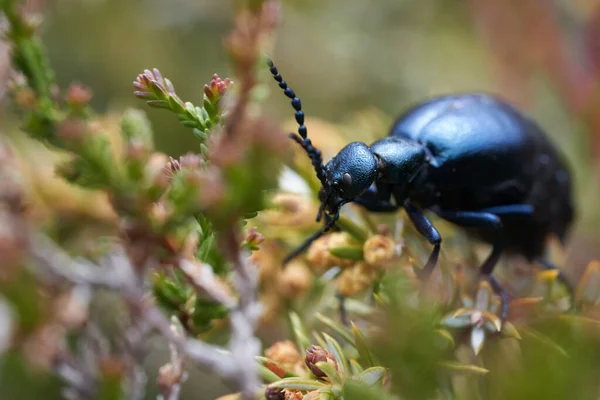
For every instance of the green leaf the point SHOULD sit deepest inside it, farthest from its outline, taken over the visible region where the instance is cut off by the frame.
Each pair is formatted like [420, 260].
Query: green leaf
[463, 369]
[509, 330]
[347, 225]
[360, 343]
[335, 348]
[267, 375]
[354, 390]
[336, 327]
[357, 369]
[331, 372]
[299, 384]
[320, 341]
[371, 376]
[348, 252]
[544, 340]
[300, 333]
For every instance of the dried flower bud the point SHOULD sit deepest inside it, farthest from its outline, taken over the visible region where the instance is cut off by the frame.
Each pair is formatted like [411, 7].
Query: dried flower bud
[274, 393]
[356, 279]
[292, 210]
[319, 253]
[267, 260]
[291, 394]
[284, 352]
[316, 354]
[379, 250]
[295, 280]
[78, 95]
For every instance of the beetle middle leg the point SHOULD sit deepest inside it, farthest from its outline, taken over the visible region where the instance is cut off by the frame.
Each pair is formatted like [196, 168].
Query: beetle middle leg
[377, 199]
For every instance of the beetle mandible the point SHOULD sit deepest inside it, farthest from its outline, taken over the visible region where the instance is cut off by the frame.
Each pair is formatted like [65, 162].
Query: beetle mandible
[472, 159]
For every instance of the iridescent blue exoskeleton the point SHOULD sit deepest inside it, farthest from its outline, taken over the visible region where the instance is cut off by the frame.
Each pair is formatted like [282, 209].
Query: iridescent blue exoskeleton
[472, 159]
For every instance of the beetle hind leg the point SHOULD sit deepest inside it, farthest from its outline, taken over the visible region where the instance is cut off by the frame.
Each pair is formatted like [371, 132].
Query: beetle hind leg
[487, 220]
[486, 271]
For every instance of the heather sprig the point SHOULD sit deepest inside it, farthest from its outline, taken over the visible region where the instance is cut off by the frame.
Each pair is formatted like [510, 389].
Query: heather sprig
[159, 92]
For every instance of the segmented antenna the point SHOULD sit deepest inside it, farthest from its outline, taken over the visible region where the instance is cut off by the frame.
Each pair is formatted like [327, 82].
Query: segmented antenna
[301, 138]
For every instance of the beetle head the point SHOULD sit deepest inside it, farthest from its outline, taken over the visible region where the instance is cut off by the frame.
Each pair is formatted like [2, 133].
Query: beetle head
[348, 175]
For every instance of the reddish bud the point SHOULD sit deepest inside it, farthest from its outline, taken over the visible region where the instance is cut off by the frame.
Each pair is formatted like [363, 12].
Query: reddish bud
[78, 96]
[217, 87]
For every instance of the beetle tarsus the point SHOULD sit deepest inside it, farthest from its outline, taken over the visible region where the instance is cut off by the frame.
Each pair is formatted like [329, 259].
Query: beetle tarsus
[503, 297]
[561, 276]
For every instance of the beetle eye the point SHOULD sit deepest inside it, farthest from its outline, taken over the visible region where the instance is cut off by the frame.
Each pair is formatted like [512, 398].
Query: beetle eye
[347, 179]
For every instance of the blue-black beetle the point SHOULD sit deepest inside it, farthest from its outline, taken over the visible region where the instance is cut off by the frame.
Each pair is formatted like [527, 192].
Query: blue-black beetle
[472, 159]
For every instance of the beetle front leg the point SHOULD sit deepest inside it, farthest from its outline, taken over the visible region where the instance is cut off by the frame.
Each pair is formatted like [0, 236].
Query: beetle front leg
[425, 228]
[376, 200]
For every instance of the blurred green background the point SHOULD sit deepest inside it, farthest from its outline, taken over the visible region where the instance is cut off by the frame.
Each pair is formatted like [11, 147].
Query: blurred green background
[343, 57]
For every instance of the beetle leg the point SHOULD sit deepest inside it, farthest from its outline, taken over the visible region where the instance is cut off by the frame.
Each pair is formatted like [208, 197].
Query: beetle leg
[481, 219]
[425, 228]
[376, 200]
[561, 276]
[472, 219]
[512, 209]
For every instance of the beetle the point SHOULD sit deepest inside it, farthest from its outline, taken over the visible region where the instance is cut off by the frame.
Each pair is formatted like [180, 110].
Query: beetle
[470, 158]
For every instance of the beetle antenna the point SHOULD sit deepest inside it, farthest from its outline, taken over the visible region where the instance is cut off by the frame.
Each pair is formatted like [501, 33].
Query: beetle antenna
[312, 238]
[301, 138]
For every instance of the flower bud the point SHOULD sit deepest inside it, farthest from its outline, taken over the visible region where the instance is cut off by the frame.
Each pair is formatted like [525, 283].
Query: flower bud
[379, 250]
[292, 210]
[356, 279]
[319, 253]
[253, 238]
[284, 352]
[295, 280]
[291, 394]
[78, 96]
[316, 354]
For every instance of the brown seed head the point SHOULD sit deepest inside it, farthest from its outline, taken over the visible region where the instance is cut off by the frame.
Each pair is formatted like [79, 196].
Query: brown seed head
[316, 354]
[273, 393]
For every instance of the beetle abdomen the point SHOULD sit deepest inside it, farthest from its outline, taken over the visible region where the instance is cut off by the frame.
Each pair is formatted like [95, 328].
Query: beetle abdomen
[485, 153]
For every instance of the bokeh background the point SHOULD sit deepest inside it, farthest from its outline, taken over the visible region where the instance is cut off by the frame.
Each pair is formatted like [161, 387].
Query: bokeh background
[345, 58]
